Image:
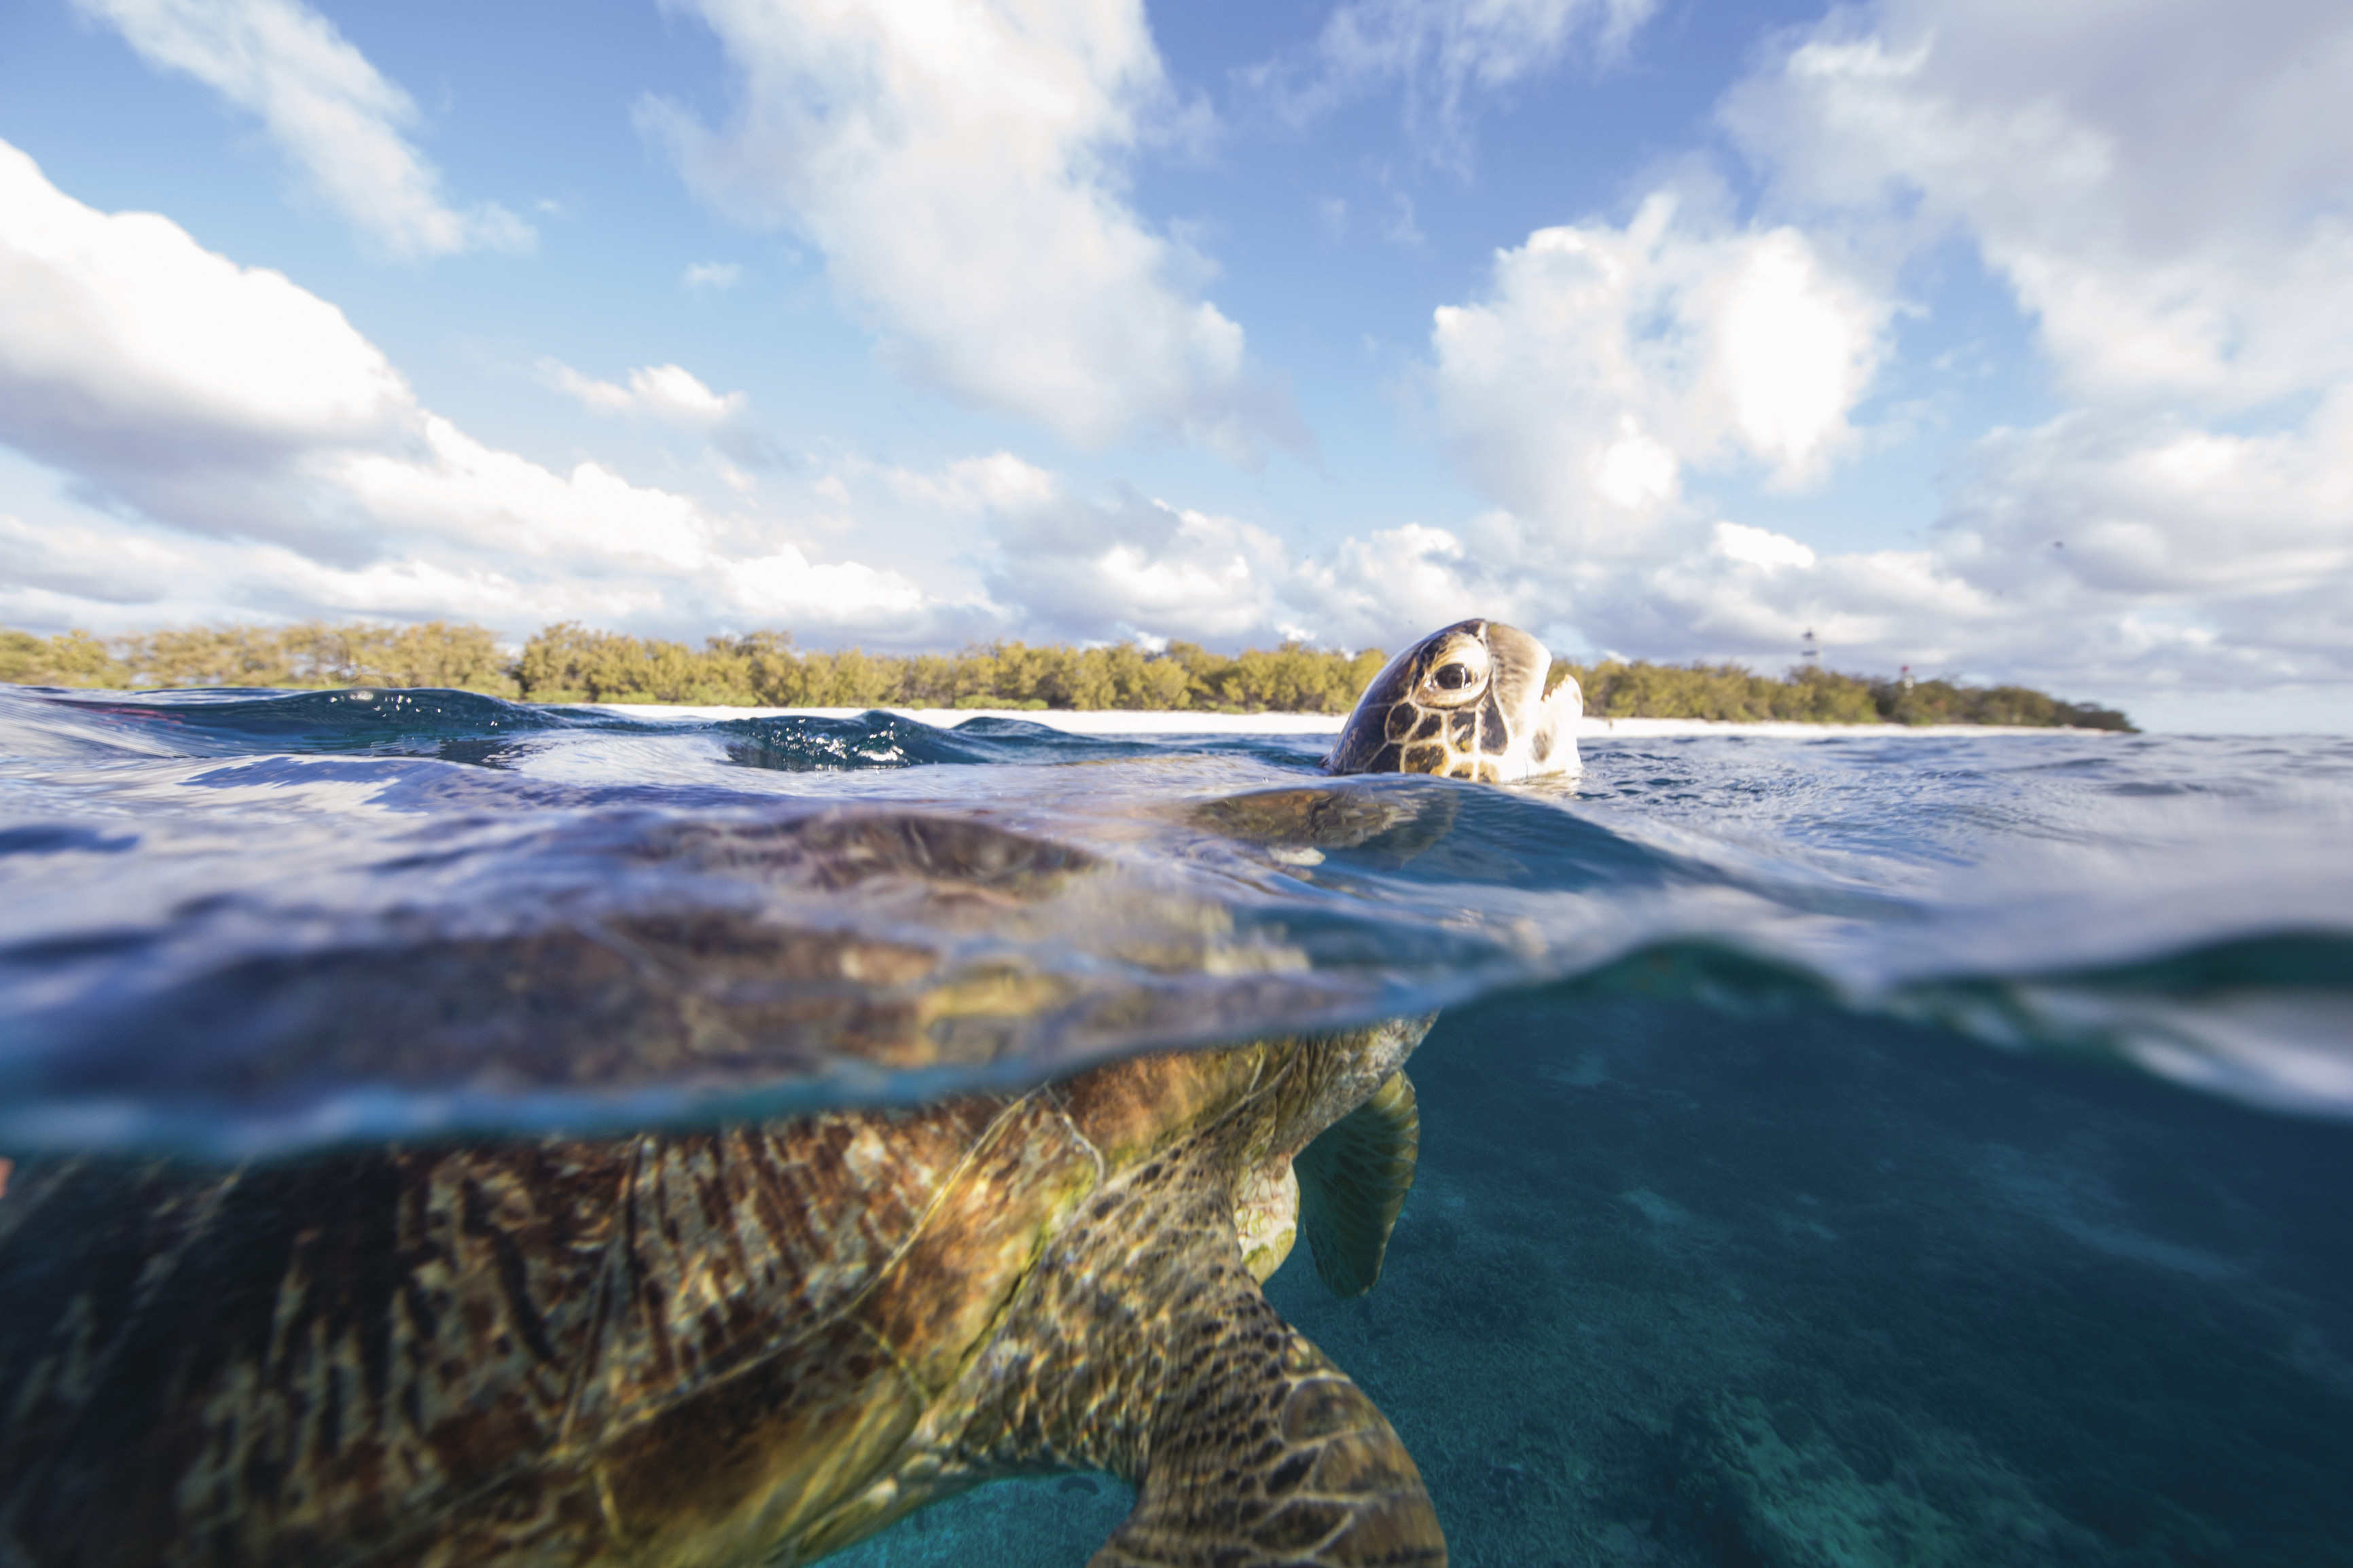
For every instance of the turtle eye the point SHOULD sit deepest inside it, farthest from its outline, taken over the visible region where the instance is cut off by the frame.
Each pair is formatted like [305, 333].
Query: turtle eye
[1456, 674]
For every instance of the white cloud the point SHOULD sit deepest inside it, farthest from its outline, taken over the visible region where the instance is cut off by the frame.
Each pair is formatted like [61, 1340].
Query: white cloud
[151, 579]
[784, 584]
[2147, 182]
[1633, 472]
[1395, 585]
[328, 109]
[2150, 178]
[961, 167]
[1606, 360]
[1439, 51]
[1754, 590]
[976, 484]
[1066, 566]
[712, 275]
[1487, 41]
[1127, 567]
[169, 375]
[1197, 577]
[1760, 546]
[457, 488]
[84, 561]
[2167, 556]
[2124, 551]
[248, 438]
[103, 315]
[665, 392]
[673, 395]
[2158, 508]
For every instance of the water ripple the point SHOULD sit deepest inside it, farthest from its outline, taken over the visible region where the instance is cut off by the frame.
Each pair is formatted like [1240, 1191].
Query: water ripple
[260, 921]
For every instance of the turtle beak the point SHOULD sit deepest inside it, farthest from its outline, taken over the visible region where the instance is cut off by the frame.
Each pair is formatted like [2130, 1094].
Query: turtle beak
[1552, 731]
[1544, 728]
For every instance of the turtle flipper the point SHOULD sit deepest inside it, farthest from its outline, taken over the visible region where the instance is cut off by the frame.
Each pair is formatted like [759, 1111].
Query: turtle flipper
[1264, 1455]
[1353, 1180]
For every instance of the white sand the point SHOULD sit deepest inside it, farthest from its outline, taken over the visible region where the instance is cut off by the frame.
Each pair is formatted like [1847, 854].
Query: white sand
[1182, 723]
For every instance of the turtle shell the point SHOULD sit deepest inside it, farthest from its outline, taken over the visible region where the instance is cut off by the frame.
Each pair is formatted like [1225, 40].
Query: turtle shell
[694, 1347]
[765, 961]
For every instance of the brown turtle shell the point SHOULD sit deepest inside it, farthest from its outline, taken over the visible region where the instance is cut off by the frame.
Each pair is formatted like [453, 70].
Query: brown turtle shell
[750, 1345]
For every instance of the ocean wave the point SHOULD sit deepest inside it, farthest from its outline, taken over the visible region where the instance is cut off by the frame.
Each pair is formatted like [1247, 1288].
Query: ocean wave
[260, 922]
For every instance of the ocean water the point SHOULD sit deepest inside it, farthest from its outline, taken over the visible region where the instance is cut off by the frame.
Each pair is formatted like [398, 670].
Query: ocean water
[1839, 1150]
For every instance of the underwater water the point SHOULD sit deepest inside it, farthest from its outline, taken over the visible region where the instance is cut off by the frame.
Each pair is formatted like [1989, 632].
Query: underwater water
[1854, 1150]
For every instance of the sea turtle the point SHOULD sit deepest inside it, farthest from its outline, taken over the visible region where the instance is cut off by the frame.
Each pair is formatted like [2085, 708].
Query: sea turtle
[1467, 701]
[748, 1345]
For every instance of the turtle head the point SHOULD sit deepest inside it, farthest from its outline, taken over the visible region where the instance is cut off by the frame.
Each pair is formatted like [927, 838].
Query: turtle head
[1467, 702]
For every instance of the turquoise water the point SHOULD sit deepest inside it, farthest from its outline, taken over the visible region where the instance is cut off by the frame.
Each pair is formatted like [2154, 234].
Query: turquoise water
[1843, 1150]
[1812, 1289]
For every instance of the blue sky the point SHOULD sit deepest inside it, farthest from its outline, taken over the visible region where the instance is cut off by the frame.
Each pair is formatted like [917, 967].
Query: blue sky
[2001, 339]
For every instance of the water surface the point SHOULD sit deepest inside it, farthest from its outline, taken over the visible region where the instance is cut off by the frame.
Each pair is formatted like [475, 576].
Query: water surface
[238, 922]
[1847, 1150]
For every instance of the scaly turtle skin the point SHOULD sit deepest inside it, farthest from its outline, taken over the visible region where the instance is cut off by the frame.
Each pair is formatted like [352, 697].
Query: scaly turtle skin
[736, 1347]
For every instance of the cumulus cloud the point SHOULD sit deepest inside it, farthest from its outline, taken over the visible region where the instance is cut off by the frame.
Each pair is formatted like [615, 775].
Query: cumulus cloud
[1140, 567]
[2147, 178]
[1121, 568]
[84, 562]
[2151, 507]
[961, 168]
[666, 392]
[671, 394]
[1604, 361]
[1440, 49]
[1760, 547]
[2171, 554]
[2146, 183]
[1001, 481]
[1750, 590]
[712, 275]
[51, 578]
[1391, 585]
[1124, 566]
[287, 462]
[171, 376]
[330, 110]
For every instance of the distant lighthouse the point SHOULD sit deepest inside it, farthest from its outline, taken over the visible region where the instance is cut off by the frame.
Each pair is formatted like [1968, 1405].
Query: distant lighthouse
[1810, 651]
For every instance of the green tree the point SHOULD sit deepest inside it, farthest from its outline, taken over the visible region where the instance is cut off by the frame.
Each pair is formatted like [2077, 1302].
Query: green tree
[69, 659]
[567, 662]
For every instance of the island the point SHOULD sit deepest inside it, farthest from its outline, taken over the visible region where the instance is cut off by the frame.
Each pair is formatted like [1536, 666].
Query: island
[571, 663]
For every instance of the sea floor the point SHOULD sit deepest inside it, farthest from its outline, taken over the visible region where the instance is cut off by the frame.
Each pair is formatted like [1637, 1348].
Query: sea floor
[1677, 1288]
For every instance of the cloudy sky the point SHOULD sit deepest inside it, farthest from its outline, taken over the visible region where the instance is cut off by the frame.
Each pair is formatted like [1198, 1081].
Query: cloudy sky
[2011, 339]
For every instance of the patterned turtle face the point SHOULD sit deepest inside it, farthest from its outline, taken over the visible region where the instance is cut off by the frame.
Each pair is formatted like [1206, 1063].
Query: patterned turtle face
[1467, 702]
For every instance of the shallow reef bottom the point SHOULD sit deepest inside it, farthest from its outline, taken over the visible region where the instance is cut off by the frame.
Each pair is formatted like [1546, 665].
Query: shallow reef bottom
[1810, 1290]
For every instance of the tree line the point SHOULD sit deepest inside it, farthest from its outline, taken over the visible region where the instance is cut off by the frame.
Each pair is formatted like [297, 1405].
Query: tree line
[1730, 693]
[571, 663]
